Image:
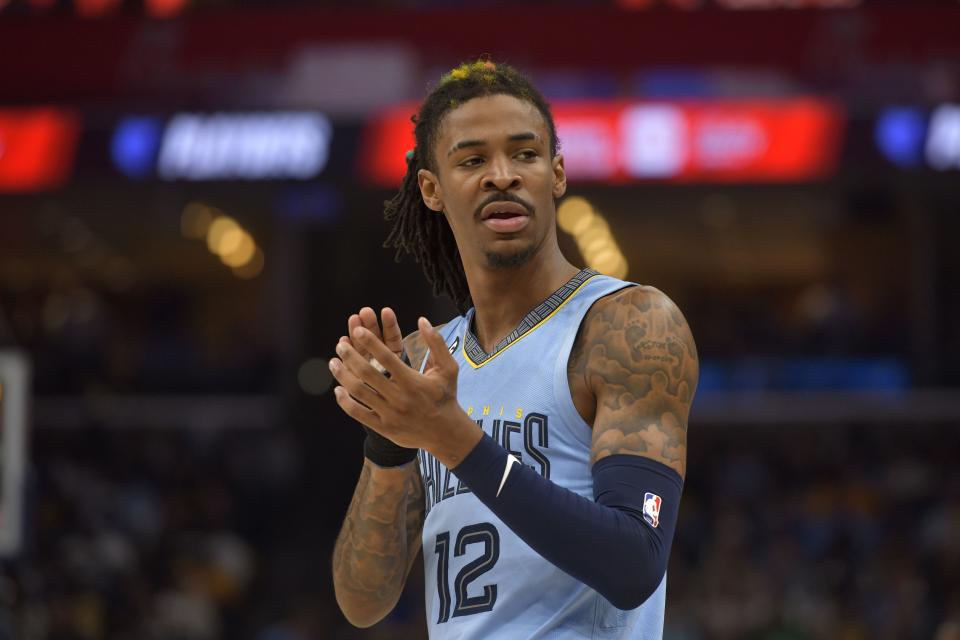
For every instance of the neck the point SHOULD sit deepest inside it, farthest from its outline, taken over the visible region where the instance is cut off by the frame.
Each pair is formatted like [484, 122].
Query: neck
[502, 297]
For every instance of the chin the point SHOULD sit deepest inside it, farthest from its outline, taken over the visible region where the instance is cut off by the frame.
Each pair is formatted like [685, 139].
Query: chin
[508, 255]
[510, 259]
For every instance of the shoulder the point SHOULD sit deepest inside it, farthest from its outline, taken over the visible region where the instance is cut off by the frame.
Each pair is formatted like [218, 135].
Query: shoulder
[634, 303]
[416, 348]
[640, 362]
[637, 318]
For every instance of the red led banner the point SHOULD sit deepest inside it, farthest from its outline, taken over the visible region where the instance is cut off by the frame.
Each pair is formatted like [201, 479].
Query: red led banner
[621, 142]
[37, 148]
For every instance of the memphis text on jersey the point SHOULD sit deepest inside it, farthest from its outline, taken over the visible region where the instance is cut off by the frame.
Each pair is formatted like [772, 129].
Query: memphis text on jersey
[526, 436]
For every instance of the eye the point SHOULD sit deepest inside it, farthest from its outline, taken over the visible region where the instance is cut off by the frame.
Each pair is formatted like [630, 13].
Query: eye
[528, 154]
[472, 161]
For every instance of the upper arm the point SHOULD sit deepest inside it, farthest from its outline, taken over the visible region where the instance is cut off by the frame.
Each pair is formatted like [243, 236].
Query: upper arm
[641, 365]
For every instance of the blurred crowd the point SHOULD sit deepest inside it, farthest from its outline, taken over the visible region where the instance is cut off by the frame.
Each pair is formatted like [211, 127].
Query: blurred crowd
[147, 535]
[83, 340]
[795, 534]
[816, 533]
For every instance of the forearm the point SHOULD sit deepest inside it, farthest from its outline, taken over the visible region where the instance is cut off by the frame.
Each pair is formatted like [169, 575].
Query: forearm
[611, 545]
[378, 542]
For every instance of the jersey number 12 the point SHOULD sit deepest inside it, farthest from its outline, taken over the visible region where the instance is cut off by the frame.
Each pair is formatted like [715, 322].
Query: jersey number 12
[481, 533]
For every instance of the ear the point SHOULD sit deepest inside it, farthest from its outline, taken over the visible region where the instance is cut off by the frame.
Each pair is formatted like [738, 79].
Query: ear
[559, 177]
[430, 189]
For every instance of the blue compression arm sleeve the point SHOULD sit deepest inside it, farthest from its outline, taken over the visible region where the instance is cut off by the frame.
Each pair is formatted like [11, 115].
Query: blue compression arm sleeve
[618, 545]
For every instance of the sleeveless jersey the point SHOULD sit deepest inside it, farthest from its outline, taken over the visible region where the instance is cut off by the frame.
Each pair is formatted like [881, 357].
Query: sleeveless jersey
[483, 581]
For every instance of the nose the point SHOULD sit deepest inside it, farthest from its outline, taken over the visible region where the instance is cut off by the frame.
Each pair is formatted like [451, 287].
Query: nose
[501, 176]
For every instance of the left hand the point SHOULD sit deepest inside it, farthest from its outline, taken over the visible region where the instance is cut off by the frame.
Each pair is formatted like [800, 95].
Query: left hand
[390, 334]
[409, 408]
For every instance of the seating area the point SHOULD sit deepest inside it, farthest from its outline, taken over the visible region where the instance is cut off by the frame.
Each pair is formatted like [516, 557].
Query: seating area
[785, 533]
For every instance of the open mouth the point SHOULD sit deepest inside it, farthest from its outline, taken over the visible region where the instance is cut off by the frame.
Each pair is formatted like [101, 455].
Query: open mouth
[505, 215]
[503, 210]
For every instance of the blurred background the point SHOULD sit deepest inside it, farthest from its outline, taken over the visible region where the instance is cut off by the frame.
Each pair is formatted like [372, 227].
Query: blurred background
[191, 206]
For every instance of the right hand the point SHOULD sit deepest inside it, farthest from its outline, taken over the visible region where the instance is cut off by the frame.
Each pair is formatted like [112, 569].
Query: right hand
[390, 335]
[413, 410]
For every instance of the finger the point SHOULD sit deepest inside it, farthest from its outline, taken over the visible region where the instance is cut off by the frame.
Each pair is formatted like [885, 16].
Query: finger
[346, 340]
[439, 354]
[360, 366]
[368, 319]
[392, 336]
[352, 323]
[355, 410]
[354, 386]
[387, 358]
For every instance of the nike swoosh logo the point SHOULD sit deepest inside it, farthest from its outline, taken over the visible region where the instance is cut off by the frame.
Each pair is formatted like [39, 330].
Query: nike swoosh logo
[506, 472]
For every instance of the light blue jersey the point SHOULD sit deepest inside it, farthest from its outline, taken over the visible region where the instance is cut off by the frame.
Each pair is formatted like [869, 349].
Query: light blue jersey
[482, 581]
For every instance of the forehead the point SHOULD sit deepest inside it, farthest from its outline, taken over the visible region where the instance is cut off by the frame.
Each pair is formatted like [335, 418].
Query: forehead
[490, 118]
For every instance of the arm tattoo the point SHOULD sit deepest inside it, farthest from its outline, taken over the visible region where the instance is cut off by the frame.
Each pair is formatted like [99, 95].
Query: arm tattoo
[639, 359]
[416, 511]
[380, 539]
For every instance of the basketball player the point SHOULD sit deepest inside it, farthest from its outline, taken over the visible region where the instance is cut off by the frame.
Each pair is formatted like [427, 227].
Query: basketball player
[535, 447]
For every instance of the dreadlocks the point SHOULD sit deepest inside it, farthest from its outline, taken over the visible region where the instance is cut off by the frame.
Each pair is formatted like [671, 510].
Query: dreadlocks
[417, 230]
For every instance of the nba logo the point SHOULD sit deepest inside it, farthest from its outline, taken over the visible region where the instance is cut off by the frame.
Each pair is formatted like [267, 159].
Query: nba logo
[651, 509]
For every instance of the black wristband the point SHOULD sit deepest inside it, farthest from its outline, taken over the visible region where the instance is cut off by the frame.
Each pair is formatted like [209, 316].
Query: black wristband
[383, 451]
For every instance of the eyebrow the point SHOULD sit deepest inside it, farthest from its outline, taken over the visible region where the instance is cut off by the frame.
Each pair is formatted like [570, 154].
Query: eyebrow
[465, 144]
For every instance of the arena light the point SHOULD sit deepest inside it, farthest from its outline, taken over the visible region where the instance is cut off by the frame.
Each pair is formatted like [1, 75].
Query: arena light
[225, 238]
[900, 134]
[165, 8]
[737, 141]
[943, 138]
[230, 241]
[593, 236]
[219, 229]
[245, 146]
[37, 148]
[572, 211]
[134, 146]
[655, 140]
[912, 137]
[241, 253]
[619, 141]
